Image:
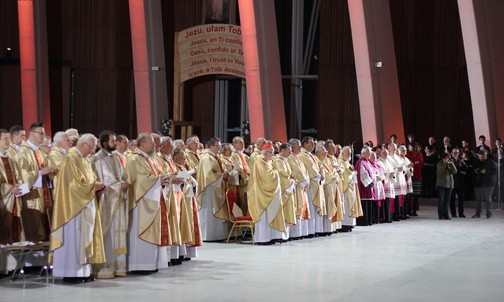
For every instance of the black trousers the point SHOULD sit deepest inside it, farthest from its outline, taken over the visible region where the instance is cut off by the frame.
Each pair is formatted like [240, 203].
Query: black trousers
[367, 211]
[460, 192]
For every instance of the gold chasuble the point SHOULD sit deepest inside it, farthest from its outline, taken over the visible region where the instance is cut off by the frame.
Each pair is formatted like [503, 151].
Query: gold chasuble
[189, 212]
[332, 195]
[11, 229]
[287, 187]
[30, 160]
[174, 197]
[209, 177]
[75, 194]
[350, 190]
[302, 181]
[145, 193]
[316, 189]
[192, 159]
[54, 160]
[241, 160]
[265, 194]
[339, 172]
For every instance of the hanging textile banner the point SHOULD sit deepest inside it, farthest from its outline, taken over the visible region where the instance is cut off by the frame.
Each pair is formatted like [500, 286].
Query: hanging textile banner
[209, 49]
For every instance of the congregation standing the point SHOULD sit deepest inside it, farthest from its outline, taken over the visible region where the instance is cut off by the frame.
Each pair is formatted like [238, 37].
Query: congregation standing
[111, 206]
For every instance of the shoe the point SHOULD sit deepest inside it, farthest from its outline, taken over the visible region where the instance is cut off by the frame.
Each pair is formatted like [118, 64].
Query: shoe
[476, 216]
[187, 259]
[141, 273]
[89, 279]
[462, 216]
[155, 271]
[488, 215]
[454, 215]
[414, 214]
[174, 262]
[447, 218]
[441, 218]
[74, 280]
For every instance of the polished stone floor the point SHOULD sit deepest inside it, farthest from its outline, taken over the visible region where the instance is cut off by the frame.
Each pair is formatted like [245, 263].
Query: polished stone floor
[420, 259]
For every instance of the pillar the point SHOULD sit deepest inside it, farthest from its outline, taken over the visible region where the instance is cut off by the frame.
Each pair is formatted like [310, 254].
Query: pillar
[376, 69]
[35, 96]
[482, 31]
[262, 70]
[148, 64]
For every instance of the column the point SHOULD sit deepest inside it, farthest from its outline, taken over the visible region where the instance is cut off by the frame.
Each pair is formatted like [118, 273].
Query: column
[262, 70]
[375, 63]
[482, 31]
[35, 96]
[148, 64]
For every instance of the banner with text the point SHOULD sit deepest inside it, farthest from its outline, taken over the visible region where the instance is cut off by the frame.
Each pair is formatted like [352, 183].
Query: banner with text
[210, 49]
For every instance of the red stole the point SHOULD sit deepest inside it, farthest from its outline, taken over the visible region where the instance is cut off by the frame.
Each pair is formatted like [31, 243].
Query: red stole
[165, 233]
[45, 188]
[16, 219]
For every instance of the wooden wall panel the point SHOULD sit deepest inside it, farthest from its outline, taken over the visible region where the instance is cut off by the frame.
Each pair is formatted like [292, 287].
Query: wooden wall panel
[432, 70]
[10, 96]
[338, 114]
[10, 71]
[94, 39]
[199, 92]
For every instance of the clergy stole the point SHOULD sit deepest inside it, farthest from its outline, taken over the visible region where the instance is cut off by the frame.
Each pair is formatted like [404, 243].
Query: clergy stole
[302, 206]
[16, 215]
[165, 233]
[175, 198]
[318, 195]
[45, 182]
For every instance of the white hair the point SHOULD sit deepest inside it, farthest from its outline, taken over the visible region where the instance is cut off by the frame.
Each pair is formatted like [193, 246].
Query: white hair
[294, 142]
[320, 148]
[191, 140]
[343, 150]
[58, 137]
[86, 138]
[165, 139]
[72, 132]
[178, 143]
[366, 149]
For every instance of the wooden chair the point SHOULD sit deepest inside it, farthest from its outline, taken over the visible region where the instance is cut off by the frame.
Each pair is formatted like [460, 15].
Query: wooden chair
[238, 222]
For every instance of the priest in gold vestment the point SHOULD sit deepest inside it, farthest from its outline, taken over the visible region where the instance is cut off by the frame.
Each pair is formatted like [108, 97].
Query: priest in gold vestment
[351, 197]
[30, 161]
[189, 206]
[10, 205]
[331, 191]
[333, 152]
[287, 186]
[301, 197]
[77, 239]
[148, 228]
[212, 178]
[17, 137]
[265, 203]
[174, 197]
[192, 152]
[242, 161]
[316, 198]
